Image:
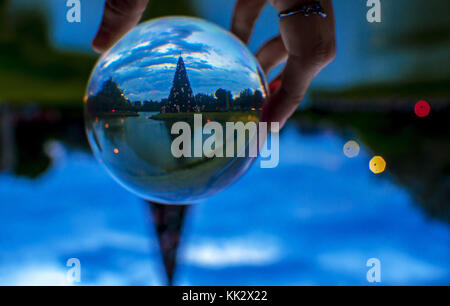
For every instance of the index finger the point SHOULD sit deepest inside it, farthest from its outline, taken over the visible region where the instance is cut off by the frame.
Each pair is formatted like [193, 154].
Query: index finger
[245, 14]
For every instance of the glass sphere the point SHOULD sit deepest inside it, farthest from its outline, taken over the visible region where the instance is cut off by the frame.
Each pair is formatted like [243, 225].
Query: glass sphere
[167, 71]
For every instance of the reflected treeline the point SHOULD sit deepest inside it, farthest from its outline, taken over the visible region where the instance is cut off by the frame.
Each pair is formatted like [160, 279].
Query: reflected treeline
[110, 100]
[417, 150]
[26, 135]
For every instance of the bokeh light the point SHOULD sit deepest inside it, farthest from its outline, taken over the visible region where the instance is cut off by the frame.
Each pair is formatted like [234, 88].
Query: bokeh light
[377, 164]
[351, 149]
[422, 109]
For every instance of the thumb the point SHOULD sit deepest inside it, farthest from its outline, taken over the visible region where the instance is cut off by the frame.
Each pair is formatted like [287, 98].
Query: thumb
[119, 17]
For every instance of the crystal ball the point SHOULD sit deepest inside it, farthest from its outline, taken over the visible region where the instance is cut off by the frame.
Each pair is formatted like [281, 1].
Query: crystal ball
[157, 89]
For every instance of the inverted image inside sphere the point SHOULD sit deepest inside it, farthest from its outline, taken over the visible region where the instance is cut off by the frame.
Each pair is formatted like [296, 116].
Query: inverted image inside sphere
[168, 78]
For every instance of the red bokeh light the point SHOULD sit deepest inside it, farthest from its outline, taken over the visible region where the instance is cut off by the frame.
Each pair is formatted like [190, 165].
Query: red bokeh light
[274, 85]
[422, 109]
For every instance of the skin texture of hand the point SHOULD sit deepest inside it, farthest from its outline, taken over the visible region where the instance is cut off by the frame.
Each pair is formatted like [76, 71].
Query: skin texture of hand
[119, 17]
[308, 44]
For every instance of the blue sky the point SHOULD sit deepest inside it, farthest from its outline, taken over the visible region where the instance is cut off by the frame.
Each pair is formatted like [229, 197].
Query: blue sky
[314, 220]
[144, 61]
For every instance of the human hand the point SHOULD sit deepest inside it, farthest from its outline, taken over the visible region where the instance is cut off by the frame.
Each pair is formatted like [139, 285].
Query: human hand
[307, 43]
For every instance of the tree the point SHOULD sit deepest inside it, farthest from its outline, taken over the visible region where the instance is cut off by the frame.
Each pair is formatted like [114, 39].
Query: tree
[224, 99]
[250, 100]
[181, 97]
[110, 99]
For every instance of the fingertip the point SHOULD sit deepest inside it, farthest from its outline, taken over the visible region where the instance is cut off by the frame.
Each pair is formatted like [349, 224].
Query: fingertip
[96, 48]
[101, 41]
[244, 17]
[119, 17]
[97, 43]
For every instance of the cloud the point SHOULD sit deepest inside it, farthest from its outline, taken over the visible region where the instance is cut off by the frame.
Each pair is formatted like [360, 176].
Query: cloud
[144, 62]
[153, 46]
[232, 252]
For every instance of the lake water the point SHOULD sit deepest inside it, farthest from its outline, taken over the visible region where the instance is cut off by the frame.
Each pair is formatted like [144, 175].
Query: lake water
[314, 220]
[137, 151]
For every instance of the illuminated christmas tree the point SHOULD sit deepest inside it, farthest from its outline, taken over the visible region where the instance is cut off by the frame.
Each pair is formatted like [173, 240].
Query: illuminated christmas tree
[181, 98]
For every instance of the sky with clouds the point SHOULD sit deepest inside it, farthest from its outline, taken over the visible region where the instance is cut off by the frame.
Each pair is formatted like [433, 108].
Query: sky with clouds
[144, 61]
[249, 234]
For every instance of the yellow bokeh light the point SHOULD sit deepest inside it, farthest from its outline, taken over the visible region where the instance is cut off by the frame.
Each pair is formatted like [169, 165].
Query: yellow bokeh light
[377, 164]
[116, 151]
[351, 149]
